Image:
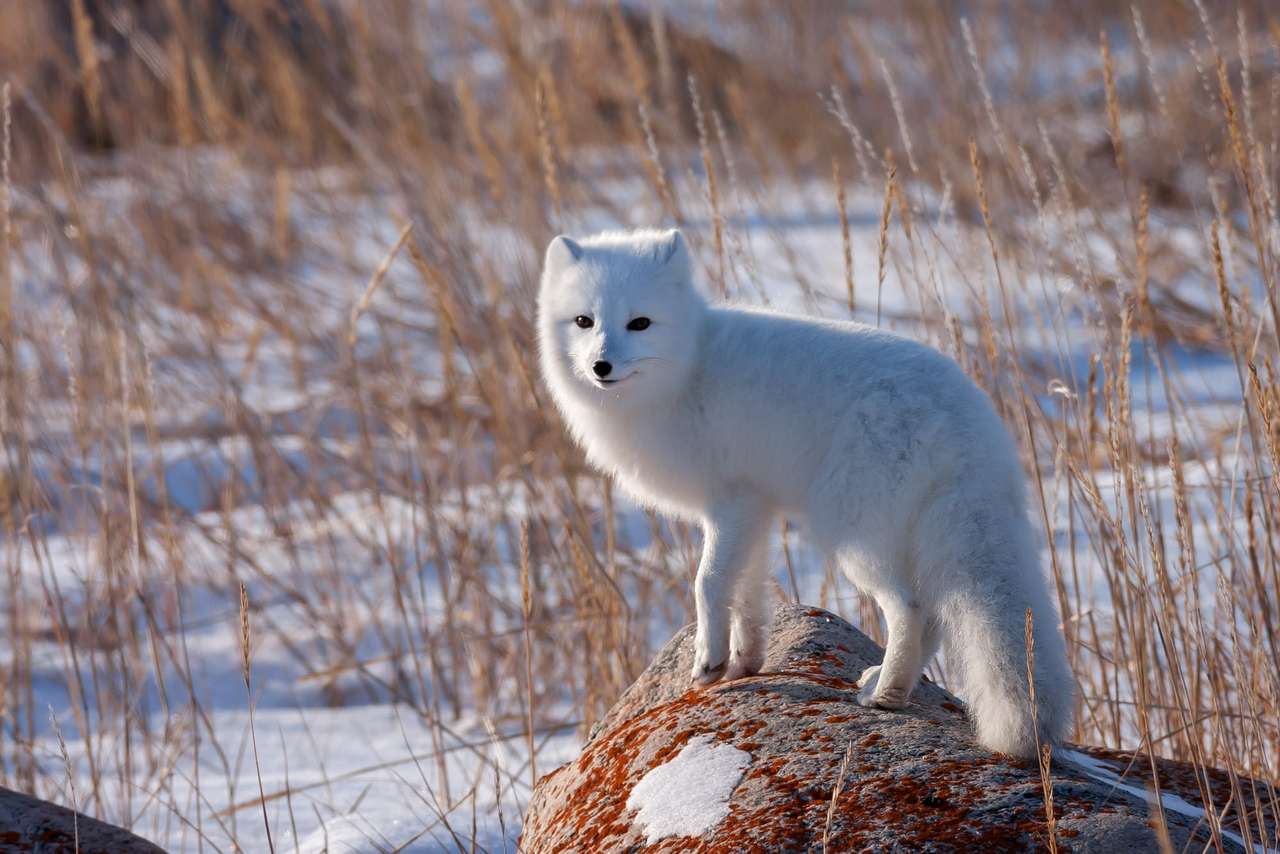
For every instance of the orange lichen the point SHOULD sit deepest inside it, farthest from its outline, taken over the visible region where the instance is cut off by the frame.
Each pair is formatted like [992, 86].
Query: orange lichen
[912, 782]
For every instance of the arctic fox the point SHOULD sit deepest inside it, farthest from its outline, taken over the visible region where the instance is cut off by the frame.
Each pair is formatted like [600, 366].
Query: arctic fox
[894, 461]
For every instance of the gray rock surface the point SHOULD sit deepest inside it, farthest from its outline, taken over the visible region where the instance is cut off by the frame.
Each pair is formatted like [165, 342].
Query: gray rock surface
[29, 824]
[915, 779]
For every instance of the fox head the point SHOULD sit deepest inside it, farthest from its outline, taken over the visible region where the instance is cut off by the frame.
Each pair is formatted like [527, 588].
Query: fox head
[618, 317]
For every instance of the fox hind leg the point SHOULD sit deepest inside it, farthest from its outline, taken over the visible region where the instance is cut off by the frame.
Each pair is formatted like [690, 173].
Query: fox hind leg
[911, 637]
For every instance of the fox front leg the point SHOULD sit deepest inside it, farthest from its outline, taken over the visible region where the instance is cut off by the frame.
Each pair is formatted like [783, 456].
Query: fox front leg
[752, 612]
[734, 535]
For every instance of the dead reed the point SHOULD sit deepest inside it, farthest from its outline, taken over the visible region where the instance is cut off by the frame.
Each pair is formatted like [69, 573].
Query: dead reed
[189, 421]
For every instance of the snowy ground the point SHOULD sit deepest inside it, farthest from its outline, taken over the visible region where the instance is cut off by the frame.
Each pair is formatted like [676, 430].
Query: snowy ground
[366, 773]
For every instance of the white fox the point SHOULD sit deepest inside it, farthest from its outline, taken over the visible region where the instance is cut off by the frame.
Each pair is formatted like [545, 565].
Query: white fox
[894, 461]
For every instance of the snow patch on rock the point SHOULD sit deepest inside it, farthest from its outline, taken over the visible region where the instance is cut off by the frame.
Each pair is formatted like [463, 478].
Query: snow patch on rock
[689, 795]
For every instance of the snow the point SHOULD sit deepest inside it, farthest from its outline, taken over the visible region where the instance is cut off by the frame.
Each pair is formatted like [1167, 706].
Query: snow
[689, 795]
[359, 786]
[1099, 770]
[368, 832]
[372, 772]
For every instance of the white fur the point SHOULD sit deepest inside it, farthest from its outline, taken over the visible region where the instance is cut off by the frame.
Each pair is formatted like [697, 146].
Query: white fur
[881, 447]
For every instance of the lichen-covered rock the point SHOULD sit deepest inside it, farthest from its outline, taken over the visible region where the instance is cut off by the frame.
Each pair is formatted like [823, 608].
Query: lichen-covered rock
[29, 824]
[775, 743]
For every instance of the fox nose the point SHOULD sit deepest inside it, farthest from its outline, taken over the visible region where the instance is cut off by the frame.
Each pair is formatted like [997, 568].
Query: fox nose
[602, 368]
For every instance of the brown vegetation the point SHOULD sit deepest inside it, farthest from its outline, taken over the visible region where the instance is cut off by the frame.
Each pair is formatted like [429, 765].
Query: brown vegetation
[180, 177]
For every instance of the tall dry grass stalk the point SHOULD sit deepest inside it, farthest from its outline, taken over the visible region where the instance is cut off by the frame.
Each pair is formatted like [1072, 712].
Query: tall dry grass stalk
[375, 281]
[246, 673]
[71, 780]
[846, 241]
[1044, 752]
[713, 193]
[6, 270]
[526, 609]
[547, 147]
[886, 209]
[835, 797]
[87, 54]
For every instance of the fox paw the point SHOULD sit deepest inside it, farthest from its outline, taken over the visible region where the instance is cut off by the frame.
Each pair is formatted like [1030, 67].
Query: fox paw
[868, 696]
[744, 662]
[709, 674]
[867, 685]
[747, 642]
[709, 664]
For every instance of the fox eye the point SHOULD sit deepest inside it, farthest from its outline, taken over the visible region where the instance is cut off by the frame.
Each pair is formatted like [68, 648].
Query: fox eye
[639, 324]
[584, 322]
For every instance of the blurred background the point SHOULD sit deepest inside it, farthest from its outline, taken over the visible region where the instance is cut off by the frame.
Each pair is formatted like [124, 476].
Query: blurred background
[286, 514]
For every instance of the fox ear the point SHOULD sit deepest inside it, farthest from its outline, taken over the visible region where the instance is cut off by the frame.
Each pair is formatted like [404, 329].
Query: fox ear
[561, 252]
[673, 252]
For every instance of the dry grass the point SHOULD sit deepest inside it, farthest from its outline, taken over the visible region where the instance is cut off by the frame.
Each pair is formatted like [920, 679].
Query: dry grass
[1118, 201]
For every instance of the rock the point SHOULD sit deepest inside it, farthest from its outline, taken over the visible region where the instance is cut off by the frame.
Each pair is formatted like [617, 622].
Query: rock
[914, 780]
[29, 824]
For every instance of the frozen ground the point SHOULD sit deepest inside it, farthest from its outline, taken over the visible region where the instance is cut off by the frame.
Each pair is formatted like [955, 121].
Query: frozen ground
[366, 768]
